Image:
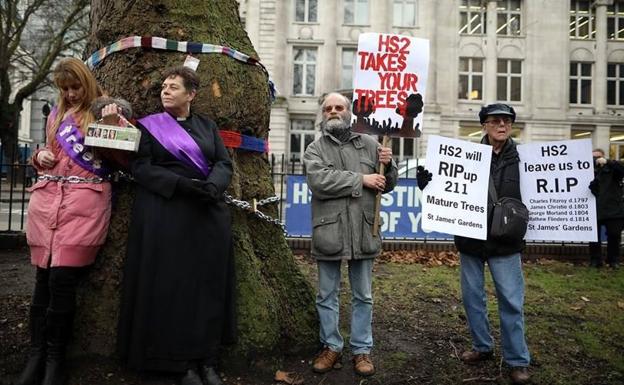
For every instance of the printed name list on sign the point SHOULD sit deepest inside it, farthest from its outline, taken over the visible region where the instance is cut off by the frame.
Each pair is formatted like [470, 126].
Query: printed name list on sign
[389, 84]
[554, 183]
[455, 201]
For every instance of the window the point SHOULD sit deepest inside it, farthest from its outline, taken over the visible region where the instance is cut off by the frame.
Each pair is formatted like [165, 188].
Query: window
[615, 84]
[580, 83]
[615, 20]
[356, 12]
[304, 73]
[582, 25]
[509, 16]
[346, 74]
[581, 132]
[470, 78]
[306, 11]
[301, 135]
[404, 13]
[473, 132]
[403, 148]
[509, 80]
[472, 17]
[616, 143]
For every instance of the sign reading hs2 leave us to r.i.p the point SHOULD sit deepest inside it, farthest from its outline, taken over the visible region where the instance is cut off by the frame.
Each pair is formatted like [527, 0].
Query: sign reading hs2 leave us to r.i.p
[455, 201]
[554, 183]
[389, 84]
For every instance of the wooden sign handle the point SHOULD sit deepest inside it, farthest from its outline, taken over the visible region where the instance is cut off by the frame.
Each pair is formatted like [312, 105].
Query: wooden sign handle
[382, 168]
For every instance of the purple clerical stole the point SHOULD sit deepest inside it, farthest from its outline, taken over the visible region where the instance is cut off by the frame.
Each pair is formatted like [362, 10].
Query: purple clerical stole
[176, 140]
[71, 141]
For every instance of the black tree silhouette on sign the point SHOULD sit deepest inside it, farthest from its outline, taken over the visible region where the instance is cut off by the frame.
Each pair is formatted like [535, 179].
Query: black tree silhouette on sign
[364, 107]
[409, 111]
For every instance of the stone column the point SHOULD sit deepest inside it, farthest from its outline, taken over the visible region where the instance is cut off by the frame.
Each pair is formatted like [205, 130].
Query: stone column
[329, 59]
[600, 63]
[490, 54]
[600, 139]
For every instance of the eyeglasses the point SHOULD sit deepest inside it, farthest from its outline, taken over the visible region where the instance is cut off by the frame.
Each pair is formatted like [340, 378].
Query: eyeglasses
[338, 108]
[498, 121]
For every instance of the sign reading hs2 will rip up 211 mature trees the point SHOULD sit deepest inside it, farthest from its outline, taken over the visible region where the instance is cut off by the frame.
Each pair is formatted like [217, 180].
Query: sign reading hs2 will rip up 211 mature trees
[455, 201]
[389, 84]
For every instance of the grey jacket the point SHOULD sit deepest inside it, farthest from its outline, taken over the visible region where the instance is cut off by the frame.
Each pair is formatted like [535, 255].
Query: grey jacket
[342, 209]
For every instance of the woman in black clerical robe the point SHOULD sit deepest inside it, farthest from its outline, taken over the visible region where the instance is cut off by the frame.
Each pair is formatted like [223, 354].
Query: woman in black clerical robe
[177, 304]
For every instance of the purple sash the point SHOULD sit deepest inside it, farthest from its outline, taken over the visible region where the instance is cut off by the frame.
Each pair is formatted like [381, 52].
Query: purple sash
[72, 142]
[176, 140]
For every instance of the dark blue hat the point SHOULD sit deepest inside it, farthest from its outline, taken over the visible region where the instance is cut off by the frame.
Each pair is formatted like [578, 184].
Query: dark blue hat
[496, 109]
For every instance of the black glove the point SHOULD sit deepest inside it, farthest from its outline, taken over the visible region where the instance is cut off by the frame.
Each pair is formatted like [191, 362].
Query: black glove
[212, 194]
[594, 187]
[193, 188]
[423, 177]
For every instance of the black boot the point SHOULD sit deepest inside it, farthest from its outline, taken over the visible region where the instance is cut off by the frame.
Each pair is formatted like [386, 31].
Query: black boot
[209, 375]
[33, 372]
[58, 330]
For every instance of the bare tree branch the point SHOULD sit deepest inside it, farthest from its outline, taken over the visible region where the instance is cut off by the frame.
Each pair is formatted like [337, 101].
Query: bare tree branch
[57, 45]
[33, 35]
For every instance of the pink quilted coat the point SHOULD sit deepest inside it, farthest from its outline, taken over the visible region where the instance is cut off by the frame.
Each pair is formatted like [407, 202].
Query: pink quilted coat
[67, 222]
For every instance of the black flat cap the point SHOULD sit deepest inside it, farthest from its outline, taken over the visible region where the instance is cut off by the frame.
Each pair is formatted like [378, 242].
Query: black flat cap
[496, 109]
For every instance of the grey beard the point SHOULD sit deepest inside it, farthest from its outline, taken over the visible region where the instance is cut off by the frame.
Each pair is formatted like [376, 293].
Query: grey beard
[340, 129]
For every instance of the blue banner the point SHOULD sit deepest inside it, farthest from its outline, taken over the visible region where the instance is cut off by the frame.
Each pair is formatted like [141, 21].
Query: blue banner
[400, 211]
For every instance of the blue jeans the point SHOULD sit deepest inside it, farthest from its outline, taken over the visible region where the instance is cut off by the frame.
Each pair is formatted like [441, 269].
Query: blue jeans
[509, 282]
[360, 278]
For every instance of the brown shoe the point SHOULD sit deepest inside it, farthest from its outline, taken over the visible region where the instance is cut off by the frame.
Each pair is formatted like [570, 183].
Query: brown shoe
[327, 360]
[473, 356]
[519, 375]
[363, 365]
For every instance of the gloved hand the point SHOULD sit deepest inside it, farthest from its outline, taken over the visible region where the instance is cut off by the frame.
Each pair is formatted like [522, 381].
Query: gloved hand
[423, 177]
[594, 187]
[191, 187]
[211, 190]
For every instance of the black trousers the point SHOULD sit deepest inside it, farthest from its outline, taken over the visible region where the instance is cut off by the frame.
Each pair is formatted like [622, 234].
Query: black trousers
[614, 237]
[55, 288]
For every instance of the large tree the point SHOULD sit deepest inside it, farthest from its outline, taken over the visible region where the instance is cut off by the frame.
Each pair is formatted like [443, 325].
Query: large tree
[33, 34]
[275, 303]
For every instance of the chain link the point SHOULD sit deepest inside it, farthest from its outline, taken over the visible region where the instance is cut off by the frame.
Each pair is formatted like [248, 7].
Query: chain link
[73, 179]
[244, 205]
[230, 200]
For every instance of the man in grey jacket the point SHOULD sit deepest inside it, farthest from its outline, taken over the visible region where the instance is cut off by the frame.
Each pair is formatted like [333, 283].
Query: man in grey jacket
[341, 170]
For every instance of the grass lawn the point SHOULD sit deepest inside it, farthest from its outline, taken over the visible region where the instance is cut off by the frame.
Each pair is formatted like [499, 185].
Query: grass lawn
[574, 321]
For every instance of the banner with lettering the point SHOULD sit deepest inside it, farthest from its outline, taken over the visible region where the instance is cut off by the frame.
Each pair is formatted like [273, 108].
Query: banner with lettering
[455, 201]
[400, 211]
[554, 182]
[389, 84]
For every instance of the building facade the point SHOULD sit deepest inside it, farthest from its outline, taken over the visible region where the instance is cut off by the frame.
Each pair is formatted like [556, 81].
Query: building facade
[560, 64]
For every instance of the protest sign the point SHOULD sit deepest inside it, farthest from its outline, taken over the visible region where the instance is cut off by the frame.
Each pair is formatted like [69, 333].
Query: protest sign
[554, 182]
[389, 84]
[455, 201]
[400, 211]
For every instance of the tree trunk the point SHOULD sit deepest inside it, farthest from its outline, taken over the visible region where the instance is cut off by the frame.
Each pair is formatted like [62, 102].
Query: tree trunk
[274, 301]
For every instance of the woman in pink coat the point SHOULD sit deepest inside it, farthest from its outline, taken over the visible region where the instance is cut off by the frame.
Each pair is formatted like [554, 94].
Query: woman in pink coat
[68, 217]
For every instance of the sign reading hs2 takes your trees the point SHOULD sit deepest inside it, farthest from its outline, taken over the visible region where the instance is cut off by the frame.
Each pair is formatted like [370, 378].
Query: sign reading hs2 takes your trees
[554, 182]
[389, 84]
[455, 201]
